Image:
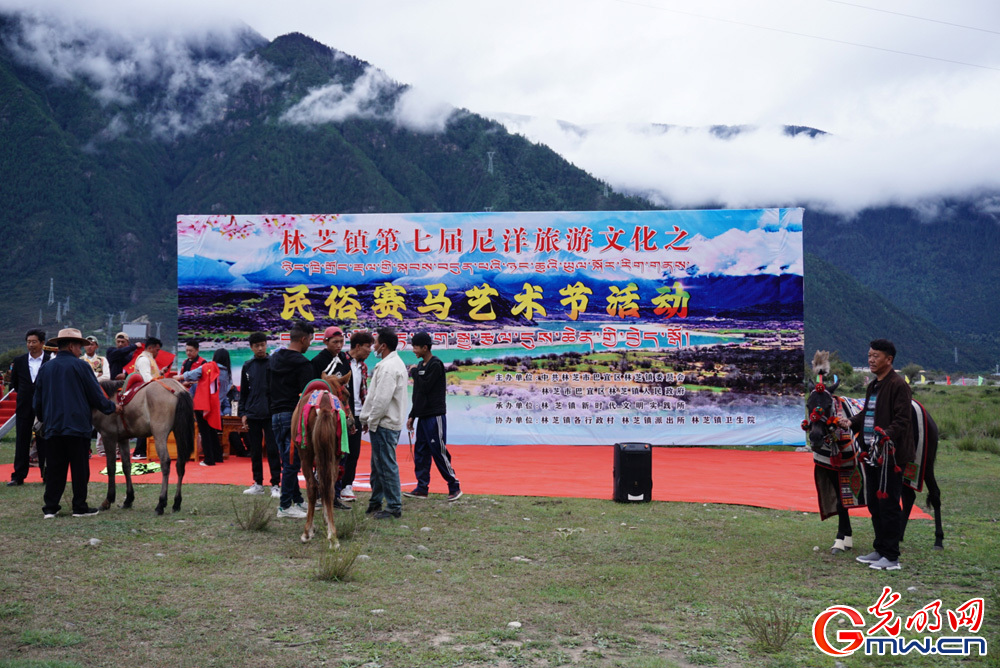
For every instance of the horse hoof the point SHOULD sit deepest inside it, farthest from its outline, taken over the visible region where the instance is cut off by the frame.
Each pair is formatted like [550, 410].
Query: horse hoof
[335, 545]
[939, 547]
[105, 505]
[127, 505]
[304, 538]
[835, 551]
[159, 511]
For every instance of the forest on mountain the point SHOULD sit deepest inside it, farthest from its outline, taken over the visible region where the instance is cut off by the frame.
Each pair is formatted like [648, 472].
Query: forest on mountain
[94, 177]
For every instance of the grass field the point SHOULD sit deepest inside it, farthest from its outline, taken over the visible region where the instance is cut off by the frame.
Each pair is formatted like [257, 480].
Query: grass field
[591, 583]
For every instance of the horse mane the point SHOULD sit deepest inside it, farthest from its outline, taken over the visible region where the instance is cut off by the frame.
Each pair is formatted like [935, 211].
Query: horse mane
[821, 363]
[110, 387]
[323, 437]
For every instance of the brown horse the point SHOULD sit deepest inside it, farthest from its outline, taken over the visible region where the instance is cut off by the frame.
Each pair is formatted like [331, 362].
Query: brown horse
[158, 408]
[319, 438]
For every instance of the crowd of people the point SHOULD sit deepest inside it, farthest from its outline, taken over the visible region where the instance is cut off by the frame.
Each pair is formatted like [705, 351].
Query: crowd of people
[57, 384]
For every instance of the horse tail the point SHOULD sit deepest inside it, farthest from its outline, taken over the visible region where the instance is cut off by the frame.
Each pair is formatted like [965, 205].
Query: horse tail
[184, 426]
[325, 444]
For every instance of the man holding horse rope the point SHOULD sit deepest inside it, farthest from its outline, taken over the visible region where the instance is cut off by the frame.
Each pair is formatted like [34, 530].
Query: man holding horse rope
[888, 446]
[66, 393]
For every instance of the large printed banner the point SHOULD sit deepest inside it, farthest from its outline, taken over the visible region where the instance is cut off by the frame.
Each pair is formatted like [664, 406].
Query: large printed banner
[666, 327]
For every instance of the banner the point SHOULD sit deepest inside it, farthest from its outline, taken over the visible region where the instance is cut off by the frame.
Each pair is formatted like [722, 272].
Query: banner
[667, 327]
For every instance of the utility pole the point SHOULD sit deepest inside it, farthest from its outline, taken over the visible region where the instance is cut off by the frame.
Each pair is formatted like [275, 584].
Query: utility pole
[489, 155]
[58, 311]
[157, 330]
[52, 291]
[39, 316]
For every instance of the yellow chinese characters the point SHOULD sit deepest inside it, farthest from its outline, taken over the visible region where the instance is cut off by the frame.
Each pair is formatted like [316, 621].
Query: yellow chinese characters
[296, 299]
[342, 303]
[479, 299]
[671, 304]
[623, 302]
[389, 301]
[436, 302]
[527, 302]
[576, 295]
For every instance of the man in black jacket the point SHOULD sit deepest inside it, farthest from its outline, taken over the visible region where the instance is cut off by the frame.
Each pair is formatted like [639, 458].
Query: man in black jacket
[256, 414]
[884, 425]
[333, 339]
[429, 408]
[120, 355]
[290, 373]
[24, 371]
[67, 393]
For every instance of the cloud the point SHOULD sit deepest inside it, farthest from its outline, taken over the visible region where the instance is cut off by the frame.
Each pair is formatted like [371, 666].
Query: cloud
[764, 167]
[191, 76]
[372, 95]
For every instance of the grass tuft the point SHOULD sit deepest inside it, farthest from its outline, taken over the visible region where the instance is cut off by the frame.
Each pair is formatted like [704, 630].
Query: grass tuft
[770, 624]
[354, 522]
[254, 516]
[336, 565]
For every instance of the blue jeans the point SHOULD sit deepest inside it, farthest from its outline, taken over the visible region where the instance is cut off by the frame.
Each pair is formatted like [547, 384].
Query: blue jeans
[281, 425]
[385, 472]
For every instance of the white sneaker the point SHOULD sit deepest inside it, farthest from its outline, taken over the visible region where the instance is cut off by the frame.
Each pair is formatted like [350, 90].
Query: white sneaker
[294, 511]
[347, 494]
[275, 492]
[255, 489]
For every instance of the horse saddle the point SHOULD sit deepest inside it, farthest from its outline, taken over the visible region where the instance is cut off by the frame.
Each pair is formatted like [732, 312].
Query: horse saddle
[132, 385]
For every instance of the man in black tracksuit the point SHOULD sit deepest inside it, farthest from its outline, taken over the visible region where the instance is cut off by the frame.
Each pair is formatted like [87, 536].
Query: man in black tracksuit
[429, 407]
[255, 411]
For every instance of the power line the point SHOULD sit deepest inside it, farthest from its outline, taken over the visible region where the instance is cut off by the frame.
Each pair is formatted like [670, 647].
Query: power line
[802, 34]
[912, 16]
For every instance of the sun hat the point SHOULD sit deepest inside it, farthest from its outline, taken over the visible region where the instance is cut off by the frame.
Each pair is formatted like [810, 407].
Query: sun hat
[68, 335]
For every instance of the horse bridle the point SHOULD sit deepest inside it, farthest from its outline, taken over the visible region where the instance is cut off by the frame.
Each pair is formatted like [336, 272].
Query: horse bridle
[817, 416]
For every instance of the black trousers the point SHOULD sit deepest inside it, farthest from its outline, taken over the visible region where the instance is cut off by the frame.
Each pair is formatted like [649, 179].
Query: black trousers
[350, 462]
[258, 431]
[67, 453]
[210, 445]
[887, 513]
[22, 447]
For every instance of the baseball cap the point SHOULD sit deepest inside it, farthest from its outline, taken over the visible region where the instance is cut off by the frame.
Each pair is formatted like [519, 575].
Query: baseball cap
[332, 330]
[121, 335]
[92, 339]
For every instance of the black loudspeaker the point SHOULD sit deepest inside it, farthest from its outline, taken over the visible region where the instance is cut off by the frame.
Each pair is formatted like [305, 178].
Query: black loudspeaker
[633, 472]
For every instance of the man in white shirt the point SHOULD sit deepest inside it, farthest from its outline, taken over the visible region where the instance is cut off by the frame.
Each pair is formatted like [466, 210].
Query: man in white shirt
[384, 414]
[145, 363]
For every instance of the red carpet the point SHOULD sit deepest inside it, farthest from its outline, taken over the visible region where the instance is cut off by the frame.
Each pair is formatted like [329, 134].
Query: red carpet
[780, 480]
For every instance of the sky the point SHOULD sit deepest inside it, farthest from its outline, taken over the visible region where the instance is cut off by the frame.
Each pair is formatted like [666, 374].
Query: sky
[908, 91]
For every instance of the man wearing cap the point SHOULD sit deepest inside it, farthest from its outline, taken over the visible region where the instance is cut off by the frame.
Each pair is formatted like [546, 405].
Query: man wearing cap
[23, 375]
[100, 366]
[354, 379]
[120, 356]
[97, 362]
[428, 409]
[66, 394]
[333, 339]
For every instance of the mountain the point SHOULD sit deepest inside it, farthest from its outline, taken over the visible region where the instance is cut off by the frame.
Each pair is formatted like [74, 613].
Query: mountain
[106, 141]
[843, 314]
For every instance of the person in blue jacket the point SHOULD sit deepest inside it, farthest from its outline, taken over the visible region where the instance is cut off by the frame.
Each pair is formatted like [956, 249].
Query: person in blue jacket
[66, 394]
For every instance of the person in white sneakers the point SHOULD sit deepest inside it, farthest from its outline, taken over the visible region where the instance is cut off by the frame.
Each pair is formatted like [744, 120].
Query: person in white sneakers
[255, 412]
[354, 377]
